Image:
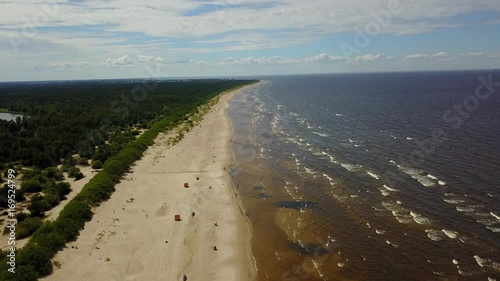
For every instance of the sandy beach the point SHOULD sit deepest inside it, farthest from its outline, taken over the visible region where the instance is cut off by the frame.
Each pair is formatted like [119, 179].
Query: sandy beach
[133, 235]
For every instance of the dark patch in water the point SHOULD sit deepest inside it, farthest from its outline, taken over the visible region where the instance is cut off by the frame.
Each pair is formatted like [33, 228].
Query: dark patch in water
[258, 187]
[263, 195]
[296, 204]
[310, 248]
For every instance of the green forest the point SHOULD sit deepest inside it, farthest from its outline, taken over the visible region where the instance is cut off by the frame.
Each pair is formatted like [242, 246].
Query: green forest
[105, 124]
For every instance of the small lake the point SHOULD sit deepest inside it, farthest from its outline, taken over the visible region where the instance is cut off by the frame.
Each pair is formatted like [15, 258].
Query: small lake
[9, 116]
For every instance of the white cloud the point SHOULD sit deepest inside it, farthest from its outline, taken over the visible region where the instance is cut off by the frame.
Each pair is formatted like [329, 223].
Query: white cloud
[438, 55]
[370, 57]
[68, 65]
[417, 56]
[126, 60]
[323, 57]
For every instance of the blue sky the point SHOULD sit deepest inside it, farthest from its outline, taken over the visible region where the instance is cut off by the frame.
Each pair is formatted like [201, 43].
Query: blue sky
[86, 39]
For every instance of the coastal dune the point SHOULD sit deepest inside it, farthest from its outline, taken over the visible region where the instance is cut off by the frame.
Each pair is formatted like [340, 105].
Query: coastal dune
[133, 235]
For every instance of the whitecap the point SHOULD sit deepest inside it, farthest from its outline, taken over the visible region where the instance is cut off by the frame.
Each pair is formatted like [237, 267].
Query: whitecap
[321, 134]
[454, 261]
[453, 201]
[441, 183]
[373, 175]
[494, 229]
[496, 216]
[341, 264]
[419, 218]
[391, 243]
[434, 235]
[408, 138]
[465, 209]
[390, 189]
[338, 114]
[432, 177]
[450, 233]
[482, 262]
[380, 231]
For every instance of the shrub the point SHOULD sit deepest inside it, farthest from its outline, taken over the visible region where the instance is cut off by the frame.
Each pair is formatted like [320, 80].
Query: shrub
[21, 216]
[62, 189]
[73, 172]
[79, 176]
[52, 198]
[28, 227]
[38, 206]
[82, 161]
[31, 186]
[37, 257]
[53, 173]
[97, 164]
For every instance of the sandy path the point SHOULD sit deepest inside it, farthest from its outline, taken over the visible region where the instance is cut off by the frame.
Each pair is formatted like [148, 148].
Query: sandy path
[127, 238]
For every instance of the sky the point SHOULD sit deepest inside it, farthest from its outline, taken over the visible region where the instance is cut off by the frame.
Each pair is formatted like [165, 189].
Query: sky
[99, 39]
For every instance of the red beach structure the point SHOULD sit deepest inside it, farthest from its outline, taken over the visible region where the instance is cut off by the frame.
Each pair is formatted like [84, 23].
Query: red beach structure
[177, 217]
[186, 185]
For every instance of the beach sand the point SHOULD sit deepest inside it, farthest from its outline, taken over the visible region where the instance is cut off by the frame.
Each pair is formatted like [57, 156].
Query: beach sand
[133, 235]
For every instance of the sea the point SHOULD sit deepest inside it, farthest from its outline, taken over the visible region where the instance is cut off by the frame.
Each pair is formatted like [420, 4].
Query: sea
[371, 176]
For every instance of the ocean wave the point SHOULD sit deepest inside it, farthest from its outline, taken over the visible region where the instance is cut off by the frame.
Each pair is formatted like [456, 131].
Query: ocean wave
[351, 167]
[454, 261]
[420, 219]
[450, 233]
[453, 201]
[380, 232]
[434, 235]
[488, 263]
[321, 134]
[432, 177]
[441, 183]
[494, 229]
[494, 215]
[390, 189]
[338, 114]
[418, 175]
[466, 209]
[373, 175]
[392, 243]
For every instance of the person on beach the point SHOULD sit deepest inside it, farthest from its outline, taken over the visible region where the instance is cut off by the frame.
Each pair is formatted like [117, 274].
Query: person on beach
[184, 278]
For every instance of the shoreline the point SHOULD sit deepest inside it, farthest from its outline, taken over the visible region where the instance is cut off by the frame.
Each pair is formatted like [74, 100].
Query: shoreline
[133, 235]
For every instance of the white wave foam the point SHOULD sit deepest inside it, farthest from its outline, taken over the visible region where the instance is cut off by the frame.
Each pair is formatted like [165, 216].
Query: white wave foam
[453, 201]
[418, 175]
[341, 264]
[373, 175]
[384, 192]
[338, 114]
[491, 279]
[432, 177]
[454, 261]
[390, 189]
[420, 219]
[490, 195]
[434, 235]
[494, 229]
[482, 262]
[380, 231]
[496, 216]
[408, 138]
[392, 162]
[450, 233]
[441, 183]
[391, 243]
[465, 209]
[321, 134]
[351, 167]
